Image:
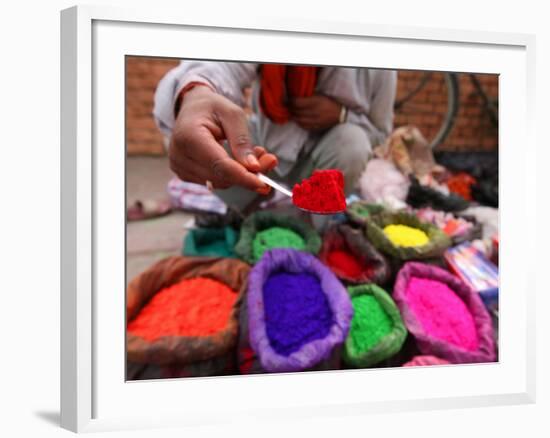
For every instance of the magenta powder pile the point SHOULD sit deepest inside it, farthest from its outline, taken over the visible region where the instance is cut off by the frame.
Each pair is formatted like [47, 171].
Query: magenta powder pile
[296, 311]
[442, 313]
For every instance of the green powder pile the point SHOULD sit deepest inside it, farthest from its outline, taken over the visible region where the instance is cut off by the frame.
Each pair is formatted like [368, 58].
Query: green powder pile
[275, 237]
[370, 323]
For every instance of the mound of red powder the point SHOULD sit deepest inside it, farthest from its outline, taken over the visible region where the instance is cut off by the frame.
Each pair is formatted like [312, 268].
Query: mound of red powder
[323, 192]
[344, 262]
[193, 307]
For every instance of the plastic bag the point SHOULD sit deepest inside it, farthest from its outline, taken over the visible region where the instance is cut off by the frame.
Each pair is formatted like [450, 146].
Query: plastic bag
[194, 197]
[382, 183]
[374, 266]
[311, 353]
[427, 343]
[409, 150]
[438, 240]
[486, 191]
[184, 350]
[487, 217]
[232, 218]
[483, 166]
[423, 196]
[388, 344]
[459, 227]
[212, 242]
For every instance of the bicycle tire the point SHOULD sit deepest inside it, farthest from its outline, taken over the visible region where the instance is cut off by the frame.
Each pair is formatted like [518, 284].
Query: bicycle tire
[453, 93]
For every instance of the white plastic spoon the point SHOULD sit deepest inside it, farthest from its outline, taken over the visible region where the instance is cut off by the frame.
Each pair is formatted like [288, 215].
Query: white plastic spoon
[275, 185]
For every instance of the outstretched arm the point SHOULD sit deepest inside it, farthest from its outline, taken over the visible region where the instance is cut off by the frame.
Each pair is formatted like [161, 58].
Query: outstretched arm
[200, 120]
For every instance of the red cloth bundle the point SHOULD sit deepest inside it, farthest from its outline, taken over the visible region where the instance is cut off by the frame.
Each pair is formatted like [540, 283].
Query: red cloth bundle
[280, 82]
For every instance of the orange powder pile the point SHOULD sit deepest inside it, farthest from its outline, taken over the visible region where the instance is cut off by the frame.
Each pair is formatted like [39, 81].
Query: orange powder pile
[193, 307]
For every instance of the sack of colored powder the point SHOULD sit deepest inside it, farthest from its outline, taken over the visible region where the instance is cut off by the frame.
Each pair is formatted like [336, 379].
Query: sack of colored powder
[265, 230]
[446, 317]
[358, 211]
[348, 253]
[424, 196]
[183, 311]
[425, 360]
[433, 245]
[210, 242]
[298, 311]
[218, 366]
[248, 360]
[377, 331]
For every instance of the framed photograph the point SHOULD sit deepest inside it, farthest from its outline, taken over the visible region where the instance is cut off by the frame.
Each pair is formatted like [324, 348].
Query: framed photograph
[283, 218]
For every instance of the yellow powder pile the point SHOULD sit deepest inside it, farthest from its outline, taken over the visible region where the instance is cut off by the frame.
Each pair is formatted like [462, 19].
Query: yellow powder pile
[403, 235]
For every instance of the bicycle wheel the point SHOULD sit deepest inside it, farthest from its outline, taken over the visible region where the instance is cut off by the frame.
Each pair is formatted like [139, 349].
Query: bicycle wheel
[428, 100]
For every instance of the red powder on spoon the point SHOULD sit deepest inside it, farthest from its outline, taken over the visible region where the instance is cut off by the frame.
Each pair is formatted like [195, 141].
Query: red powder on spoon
[193, 307]
[322, 193]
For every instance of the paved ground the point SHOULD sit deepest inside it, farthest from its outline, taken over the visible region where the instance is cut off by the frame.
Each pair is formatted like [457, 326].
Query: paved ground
[151, 240]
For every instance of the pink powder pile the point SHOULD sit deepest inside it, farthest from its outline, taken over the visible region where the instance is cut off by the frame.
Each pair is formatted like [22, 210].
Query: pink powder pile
[442, 313]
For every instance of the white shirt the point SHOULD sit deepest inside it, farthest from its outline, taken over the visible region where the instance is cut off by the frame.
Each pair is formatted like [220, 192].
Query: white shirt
[368, 94]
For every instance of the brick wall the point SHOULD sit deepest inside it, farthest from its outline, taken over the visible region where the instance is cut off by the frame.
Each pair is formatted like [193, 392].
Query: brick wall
[472, 129]
[142, 77]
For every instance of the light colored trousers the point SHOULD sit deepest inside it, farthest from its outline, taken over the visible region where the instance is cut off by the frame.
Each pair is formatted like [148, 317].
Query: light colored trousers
[345, 147]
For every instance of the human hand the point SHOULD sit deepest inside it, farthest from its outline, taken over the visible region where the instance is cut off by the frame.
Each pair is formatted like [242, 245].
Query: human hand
[196, 153]
[315, 113]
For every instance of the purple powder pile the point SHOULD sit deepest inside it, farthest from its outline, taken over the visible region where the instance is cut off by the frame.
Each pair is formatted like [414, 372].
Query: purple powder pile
[296, 311]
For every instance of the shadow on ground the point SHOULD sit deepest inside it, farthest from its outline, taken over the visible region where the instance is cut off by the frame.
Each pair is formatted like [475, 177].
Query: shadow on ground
[51, 417]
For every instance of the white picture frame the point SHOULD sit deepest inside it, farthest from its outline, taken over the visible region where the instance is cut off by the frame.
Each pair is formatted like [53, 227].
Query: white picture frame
[94, 41]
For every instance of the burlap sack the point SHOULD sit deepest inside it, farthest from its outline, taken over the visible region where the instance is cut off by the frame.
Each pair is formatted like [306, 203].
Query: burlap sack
[344, 237]
[311, 353]
[437, 244]
[388, 345]
[358, 211]
[428, 344]
[183, 350]
[263, 220]
[249, 361]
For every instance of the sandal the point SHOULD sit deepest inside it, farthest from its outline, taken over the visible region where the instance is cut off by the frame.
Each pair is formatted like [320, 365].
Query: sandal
[148, 209]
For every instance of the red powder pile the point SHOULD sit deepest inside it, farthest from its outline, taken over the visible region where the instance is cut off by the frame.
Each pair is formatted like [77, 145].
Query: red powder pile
[442, 313]
[323, 192]
[193, 307]
[344, 262]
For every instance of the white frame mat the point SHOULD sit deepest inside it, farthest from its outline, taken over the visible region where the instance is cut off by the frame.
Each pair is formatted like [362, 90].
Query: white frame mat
[94, 395]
